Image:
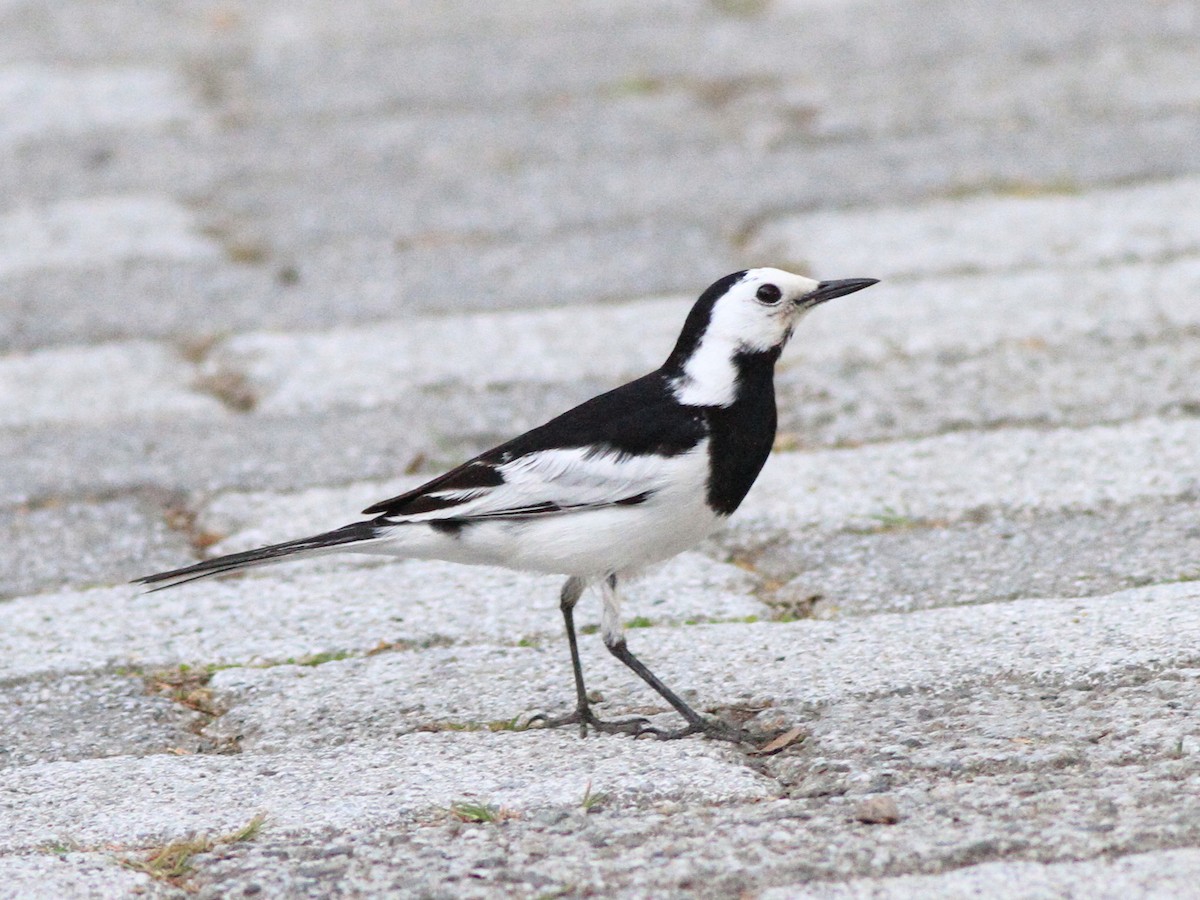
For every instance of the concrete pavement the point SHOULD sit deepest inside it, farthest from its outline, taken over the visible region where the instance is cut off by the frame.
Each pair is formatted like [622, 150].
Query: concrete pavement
[261, 265]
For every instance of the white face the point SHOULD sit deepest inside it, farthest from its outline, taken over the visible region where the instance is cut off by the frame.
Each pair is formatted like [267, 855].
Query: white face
[755, 315]
[760, 311]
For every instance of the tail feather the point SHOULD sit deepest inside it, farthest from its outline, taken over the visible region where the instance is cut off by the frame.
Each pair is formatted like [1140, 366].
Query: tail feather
[234, 562]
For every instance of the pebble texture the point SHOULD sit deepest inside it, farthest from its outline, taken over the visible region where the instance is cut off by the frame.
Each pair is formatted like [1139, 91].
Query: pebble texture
[264, 264]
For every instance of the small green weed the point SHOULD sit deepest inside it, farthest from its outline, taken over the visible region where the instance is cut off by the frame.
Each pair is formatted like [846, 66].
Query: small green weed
[172, 863]
[476, 813]
[592, 800]
[318, 659]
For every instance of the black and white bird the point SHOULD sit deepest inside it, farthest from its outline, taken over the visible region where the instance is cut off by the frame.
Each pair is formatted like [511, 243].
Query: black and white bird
[622, 481]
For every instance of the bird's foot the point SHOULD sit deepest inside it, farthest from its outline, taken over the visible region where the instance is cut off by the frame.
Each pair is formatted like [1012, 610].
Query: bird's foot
[713, 729]
[639, 726]
[585, 719]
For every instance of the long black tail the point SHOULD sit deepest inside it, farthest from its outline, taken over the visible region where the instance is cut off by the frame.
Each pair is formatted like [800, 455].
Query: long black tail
[309, 546]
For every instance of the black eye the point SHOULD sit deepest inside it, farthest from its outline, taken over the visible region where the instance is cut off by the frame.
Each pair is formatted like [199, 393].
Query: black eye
[769, 293]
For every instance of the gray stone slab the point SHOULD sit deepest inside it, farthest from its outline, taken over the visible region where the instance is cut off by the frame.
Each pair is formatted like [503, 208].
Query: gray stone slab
[959, 476]
[383, 697]
[264, 283]
[189, 178]
[313, 371]
[1057, 811]
[90, 542]
[99, 230]
[687, 188]
[795, 667]
[592, 181]
[305, 611]
[279, 275]
[1012, 765]
[902, 565]
[1144, 313]
[1096, 228]
[1022, 382]
[100, 384]
[88, 876]
[1021, 730]
[821, 401]
[671, 850]
[91, 802]
[436, 428]
[54, 462]
[1165, 873]
[790, 667]
[77, 717]
[44, 99]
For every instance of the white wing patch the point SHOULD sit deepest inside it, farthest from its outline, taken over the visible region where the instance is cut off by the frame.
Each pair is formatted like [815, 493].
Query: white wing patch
[550, 481]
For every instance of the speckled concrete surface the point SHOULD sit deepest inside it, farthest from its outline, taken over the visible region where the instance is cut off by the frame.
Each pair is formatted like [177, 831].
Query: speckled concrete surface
[261, 264]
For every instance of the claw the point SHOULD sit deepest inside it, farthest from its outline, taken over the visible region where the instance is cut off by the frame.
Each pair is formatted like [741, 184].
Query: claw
[713, 730]
[583, 717]
[639, 726]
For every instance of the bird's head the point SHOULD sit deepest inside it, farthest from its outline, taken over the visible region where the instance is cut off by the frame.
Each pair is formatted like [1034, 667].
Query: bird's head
[742, 316]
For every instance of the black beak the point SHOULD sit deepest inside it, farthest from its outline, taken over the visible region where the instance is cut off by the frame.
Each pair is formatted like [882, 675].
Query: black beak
[827, 290]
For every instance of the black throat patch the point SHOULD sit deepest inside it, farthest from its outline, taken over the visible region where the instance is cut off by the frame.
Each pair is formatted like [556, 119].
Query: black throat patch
[741, 435]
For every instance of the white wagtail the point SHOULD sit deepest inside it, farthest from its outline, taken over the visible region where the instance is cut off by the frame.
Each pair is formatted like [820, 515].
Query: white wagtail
[627, 479]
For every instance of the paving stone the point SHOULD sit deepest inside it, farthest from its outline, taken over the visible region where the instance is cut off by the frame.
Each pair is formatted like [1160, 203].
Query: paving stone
[808, 844]
[50, 462]
[377, 783]
[87, 542]
[37, 99]
[1023, 382]
[790, 666]
[87, 717]
[690, 186]
[839, 400]
[1163, 873]
[1101, 227]
[374, 366]
[307, 372]
[796, 664]
[391, 694]
[1037, 728]
[764, 843]
[475, 688]
[959, 476]
[901, 565]
[98, 230]
[230, 232]
[254, 189]
[344, 280]
[95, 384]
[305, 613]
[88, 876]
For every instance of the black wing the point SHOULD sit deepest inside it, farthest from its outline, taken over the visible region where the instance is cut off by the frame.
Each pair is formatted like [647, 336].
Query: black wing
[614, 449]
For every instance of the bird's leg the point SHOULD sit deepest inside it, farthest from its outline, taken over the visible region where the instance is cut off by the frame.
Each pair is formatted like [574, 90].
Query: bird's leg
[583, 716]
[614, 639]
[571, 592]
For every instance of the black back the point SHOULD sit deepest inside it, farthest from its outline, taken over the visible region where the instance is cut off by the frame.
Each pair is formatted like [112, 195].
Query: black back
[635, 419]
[643, 417]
